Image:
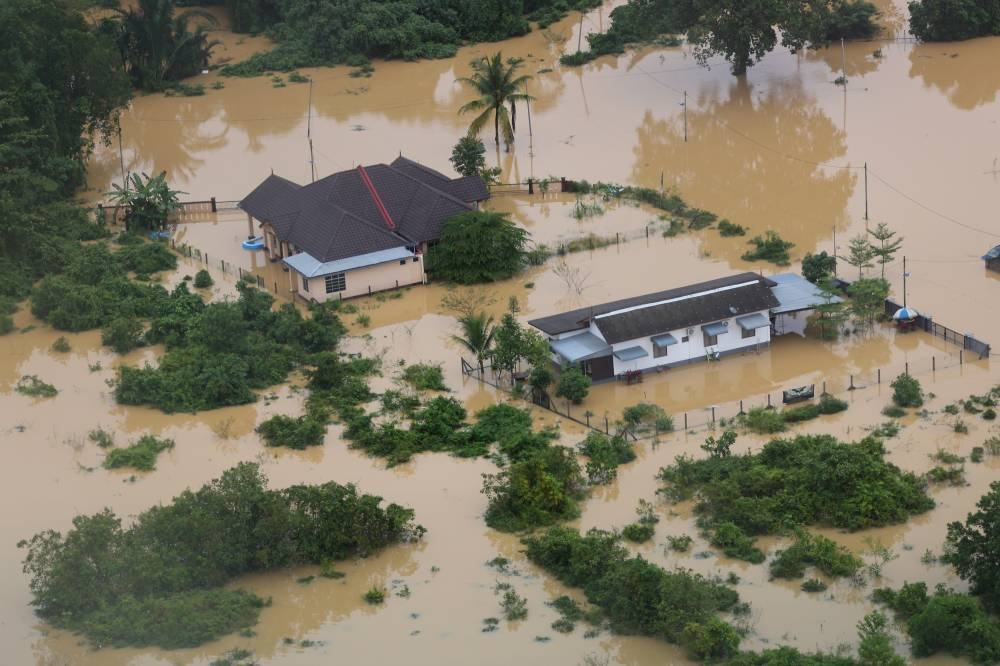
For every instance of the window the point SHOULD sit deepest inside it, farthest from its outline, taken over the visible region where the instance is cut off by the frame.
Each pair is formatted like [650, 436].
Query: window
[402, 262]
[685, 339]
[336, 282]
[416, 258]
[711, 340]
[659, 351]
[749, 333]
[305, 284]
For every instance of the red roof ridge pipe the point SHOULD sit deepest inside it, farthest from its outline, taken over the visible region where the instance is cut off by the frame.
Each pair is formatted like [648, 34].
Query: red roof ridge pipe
[383, 211]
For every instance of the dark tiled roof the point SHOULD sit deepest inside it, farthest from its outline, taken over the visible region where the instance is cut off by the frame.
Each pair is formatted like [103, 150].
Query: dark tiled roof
[654, 319]
[469, 189]
[416, 198]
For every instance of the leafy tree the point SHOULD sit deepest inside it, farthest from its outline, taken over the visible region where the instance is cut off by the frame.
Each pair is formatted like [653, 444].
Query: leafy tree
[972, 547]
[743, 32]
[573, 384]
[769, 247]
[539, 490]
[832, 311]
[157, 46]
[150, 202]
[868, 300]
[497, 84]
[906, 391]
[722, 447]
[468, 156]
[477, 336]
[887, 248]
[478, 246]
[876, 645]
[953, 20]
[508, 345]
[859, 254]
[818, 267]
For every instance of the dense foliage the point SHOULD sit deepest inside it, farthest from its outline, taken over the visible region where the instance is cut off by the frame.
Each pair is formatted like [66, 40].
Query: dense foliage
[808, 480]
[218, 354]
[972, 548]
[741, 32]
[906, 391]
[639, 597]
[817, 268]
[814, 550]
[159, 581]
[294, 432]
[952, 20]
[944, 622]
[478, 246]
[573, 384]
[141, 455]
[310, 32]
[605, 453]
[541, 486]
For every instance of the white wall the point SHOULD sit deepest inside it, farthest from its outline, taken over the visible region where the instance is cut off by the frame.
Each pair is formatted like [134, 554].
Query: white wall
[379, 277]
[693, 349]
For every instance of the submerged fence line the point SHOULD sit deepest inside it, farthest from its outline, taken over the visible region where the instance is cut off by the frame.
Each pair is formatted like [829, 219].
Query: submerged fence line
[226, 267]
[721, 414]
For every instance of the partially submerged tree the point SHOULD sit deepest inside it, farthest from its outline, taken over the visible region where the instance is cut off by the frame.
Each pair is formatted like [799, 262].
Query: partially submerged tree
[868, 300]
[478, 246]
[497, 84]
[468, 156]
[859, 254]
[887, 246]
[972, 548]
[150, 202]
[476, 336]
[818, 267]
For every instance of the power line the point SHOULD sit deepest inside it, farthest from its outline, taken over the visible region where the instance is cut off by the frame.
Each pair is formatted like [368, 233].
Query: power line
[931, 210]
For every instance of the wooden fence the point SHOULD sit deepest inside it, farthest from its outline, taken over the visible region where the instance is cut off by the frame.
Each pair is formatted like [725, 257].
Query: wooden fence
[189, 211]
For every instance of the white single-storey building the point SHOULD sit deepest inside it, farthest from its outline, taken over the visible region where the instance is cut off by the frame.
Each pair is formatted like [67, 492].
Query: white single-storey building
[698, 322]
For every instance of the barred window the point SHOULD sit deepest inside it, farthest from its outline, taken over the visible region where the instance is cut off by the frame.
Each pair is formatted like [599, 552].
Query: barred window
[336, 282]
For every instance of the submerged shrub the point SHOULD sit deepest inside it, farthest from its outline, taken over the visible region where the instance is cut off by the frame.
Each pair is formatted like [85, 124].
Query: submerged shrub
[734, 543]
[425, 377]
[906, 391]
[141, 455]
[294, 432]
[203, 279]
[814, 550]
[31, 385]
[638, 532]
[122, 334]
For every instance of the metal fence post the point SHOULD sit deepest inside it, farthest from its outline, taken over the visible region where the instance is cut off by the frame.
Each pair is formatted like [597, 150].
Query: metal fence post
[685, 420]
[878, 375]
[713, 415]
[851, 387]
[933, 363]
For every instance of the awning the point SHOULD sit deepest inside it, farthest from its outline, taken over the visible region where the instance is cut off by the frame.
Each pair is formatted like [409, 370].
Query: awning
[581, 347]
[718, 328]
[795, 294]
[664, 340]
[753, 322]
[630, 353]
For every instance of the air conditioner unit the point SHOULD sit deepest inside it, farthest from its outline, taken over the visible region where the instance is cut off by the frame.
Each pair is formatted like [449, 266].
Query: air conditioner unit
[726, 323]
[690, 331]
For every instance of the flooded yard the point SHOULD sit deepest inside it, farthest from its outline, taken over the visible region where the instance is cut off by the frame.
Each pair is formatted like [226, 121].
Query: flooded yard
[784, 149]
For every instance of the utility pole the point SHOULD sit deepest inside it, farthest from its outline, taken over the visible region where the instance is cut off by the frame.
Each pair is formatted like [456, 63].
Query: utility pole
[835, 250]
[866, 192]
[905, 275]
[843, 62]
[312, 157]
[685, 116]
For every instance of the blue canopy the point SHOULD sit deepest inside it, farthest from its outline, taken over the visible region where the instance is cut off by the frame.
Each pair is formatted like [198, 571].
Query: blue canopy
[718, 328]
[631, 353]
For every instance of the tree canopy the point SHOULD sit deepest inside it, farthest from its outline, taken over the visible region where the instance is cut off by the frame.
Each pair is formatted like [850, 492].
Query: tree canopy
[478, 246]
[953, 20]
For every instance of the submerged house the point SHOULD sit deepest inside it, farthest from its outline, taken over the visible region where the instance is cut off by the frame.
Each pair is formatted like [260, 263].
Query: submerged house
[992, 259]
[359, 231]
[701, 321]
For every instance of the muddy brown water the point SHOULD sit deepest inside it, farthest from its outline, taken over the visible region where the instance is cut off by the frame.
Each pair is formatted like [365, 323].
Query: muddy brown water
[782, 150]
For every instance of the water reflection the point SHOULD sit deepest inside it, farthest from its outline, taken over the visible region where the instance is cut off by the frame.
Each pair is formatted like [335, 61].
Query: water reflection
[965, 73]
[755, 157]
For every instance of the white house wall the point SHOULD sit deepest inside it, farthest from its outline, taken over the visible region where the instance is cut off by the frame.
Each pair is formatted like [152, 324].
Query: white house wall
[692, 350]
[362, 281]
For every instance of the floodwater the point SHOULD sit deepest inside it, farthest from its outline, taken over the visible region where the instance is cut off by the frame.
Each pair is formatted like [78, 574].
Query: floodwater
[783, 149]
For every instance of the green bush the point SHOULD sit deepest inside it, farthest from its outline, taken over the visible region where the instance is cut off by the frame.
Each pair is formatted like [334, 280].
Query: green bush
[31, 385]
[637, 596]
[573, 385]
[294, 432]
[146, 258]
[813, 585]
[906, 391]
[710, 640]
[814, 550]
[790, 482]
[203, 279]
[539, 490]
[122, 334]
[638, 532]
[734, 543]
[141, 455]
[680, 544]
[769, 247]
[478, 247]
[425, 377]
[893, 411]
[728, 229]
[764, 420]
[193, 546]
[831, 405]
[605, 454]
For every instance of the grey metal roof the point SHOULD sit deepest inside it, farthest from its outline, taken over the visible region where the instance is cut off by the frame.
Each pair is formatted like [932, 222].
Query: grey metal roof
[664, 340]
[631, 353]
[753, 322]
[309, 266]
[337, 217]
[581, 347]
[795, 293]
[993, 253]
[580, 318]
[715, 328]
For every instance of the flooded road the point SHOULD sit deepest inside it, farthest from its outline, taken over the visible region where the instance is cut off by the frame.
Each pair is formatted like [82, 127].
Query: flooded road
[783, 149]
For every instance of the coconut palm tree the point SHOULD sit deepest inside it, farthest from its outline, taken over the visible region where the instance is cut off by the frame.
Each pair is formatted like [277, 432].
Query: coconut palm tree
[156, 46]
[477, 335]
[497, 85]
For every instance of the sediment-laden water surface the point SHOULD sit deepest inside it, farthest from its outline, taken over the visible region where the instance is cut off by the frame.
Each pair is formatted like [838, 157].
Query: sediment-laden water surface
[783, 149]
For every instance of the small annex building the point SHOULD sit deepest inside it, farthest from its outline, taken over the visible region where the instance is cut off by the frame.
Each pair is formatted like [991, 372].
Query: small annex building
[360, 231]
[707, 320]
[992, 259]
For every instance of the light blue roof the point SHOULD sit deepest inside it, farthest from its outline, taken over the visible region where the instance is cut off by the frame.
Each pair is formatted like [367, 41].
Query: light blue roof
[309, 266]
[581, 347]
[795, 293]
[631, 353]
[718, 328]
[664, 340]
[753, 322]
